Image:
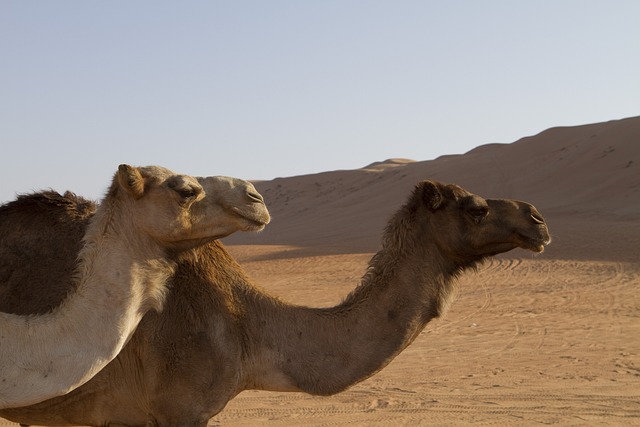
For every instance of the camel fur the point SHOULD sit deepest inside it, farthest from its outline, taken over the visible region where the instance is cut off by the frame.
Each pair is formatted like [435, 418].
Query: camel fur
[218, 334]
[125, 251]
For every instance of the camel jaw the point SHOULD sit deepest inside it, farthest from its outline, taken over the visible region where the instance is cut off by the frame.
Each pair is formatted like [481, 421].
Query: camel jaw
[538, 248]
[536, 244]
[253, 220]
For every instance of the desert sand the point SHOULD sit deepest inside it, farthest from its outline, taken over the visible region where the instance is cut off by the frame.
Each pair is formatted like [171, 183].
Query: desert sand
[551, 338]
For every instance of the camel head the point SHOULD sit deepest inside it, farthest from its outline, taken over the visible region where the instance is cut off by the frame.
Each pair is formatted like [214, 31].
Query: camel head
[181, 211]
[467, 227]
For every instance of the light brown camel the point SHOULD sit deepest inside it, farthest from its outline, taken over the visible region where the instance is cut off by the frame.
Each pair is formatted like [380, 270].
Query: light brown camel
[148, 216]
[219, 335]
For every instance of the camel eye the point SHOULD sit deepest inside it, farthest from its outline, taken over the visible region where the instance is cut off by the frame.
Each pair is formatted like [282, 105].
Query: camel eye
[187, 193]
[478, 213]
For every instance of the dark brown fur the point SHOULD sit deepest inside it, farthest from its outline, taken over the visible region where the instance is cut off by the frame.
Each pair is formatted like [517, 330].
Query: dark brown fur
[61, 222]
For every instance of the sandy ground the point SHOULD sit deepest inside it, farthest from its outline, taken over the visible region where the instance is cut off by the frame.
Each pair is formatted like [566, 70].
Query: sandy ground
[531, 339]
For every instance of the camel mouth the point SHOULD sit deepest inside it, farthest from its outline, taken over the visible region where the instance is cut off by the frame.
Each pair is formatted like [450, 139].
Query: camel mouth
[536, 244]
[538, 248]
[255, 225]
[254, 221]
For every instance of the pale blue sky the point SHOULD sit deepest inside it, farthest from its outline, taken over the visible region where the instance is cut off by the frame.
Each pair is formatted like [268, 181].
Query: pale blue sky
[261, 89]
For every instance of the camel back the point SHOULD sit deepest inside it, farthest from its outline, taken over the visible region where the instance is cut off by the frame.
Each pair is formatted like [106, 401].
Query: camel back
[40, 237]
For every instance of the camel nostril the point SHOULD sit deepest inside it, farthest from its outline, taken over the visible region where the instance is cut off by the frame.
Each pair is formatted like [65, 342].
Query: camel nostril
[255, 197]
[537, 218]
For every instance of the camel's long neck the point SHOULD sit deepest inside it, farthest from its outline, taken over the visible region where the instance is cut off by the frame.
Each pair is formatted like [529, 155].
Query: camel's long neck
[122, 266]
[47, 355]
[323, 351]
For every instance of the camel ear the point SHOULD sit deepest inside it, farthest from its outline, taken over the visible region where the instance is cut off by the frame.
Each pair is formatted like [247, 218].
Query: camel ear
[431, 194]
[131, 180]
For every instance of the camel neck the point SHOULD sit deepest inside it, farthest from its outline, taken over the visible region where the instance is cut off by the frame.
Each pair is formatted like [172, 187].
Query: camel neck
[122, 266]
[325, 350]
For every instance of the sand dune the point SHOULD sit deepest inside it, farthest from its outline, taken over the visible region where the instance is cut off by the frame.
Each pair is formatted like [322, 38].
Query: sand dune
[549, 339]
[577, 177]
[532, 339]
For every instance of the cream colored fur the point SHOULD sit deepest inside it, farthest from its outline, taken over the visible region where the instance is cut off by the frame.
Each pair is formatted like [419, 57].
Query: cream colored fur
[122, 272]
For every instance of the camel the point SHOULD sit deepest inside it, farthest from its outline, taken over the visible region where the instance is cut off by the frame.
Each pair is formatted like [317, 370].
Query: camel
[125, 254]
[218, 334]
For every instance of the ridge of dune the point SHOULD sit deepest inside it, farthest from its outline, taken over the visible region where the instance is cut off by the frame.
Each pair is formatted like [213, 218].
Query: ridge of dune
[588, 172]
[389, 163]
